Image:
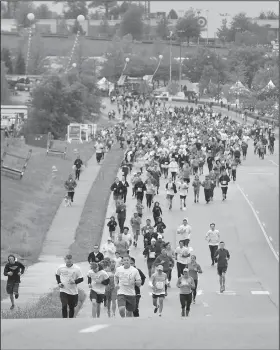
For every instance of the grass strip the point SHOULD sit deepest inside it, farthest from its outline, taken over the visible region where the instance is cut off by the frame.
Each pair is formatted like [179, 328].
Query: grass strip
[90, 228]
[47, 306]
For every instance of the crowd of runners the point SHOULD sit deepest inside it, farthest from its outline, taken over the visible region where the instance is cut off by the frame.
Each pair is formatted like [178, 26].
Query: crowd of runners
[182, 152]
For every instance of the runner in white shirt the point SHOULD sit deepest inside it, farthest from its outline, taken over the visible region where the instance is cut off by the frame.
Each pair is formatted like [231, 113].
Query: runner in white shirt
[126, 277]
[213, 238]
[97, 281]
[183, 192]
[182, 256]
[185, 232]
[109, 249]
[159, 280]
[68, 276]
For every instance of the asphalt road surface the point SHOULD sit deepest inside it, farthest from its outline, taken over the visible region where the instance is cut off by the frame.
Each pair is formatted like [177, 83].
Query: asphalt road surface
[245, 316]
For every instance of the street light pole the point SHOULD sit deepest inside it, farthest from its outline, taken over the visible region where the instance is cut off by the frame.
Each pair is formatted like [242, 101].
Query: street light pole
[170, 57]
[180, 68]
[31, 18]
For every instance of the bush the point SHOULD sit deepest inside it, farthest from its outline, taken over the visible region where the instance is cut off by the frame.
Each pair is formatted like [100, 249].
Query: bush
[48, 306]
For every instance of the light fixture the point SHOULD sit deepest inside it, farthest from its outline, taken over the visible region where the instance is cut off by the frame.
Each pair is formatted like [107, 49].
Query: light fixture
[31, 16]
[80, 18]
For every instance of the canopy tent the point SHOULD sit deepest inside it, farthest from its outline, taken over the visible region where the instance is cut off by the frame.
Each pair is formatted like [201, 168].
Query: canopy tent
[239, 89]
[269, 86]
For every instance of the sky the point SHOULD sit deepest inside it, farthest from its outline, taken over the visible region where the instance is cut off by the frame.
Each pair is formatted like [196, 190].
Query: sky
[215, 8]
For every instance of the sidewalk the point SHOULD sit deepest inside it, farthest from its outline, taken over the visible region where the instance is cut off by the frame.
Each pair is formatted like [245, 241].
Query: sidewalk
[60, 236]
[85, 311]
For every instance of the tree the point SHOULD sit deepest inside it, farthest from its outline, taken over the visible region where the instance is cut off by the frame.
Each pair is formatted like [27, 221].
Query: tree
[224, 33]
[162, 29]
[107, 5]
[20, 64]
[21, 13]
[6, 58]
[268, 15]
[75, 8]
[132, 23]
[43, 12]
[37, 55]
[60, 100]
[173, 88]
[188, 27]
[172, 14]
[5, 93]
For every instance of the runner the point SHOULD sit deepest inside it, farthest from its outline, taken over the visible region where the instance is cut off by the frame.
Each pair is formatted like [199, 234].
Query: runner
[182, 256]
[70, 185]
[98, 279]
[196, 188]
[137, 289]
[126, 278]
[186, 284]
[224, 180]
[183, 191]
[78, 166]
[112, 224]
[150, 254]
[159, 284]
[110, 289]
[135, 223]
[118, 189]
[222, 255]
[167, 262]
[109, 249]
[194, 268]
[121, 214]
[95, 256]
[184, 231]
[157, 212]
[171, 190]
[68, 276]
[13, 269]
[213, 238]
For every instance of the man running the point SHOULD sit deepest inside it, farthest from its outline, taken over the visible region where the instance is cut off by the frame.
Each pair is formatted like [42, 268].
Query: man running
[126, 278]
[213, 238]
[182, 256]
[222, 256]
[78, 165]
[13, 269]
[184, 231]
[68, 276]
[137, 289]
[97, 281]
[159, 283]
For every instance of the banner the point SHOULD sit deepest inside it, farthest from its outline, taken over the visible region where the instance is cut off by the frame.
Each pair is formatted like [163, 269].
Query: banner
[74, 133]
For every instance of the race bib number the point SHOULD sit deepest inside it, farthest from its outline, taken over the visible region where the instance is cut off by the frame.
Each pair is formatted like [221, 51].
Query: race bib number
[166, 163]
[159, 285]
[224, 182]
[152, 255]
[125, 281]
[139, 189]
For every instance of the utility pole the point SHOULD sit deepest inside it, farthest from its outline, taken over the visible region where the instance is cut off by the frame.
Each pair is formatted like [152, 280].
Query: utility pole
[170, 58]
[180, 68]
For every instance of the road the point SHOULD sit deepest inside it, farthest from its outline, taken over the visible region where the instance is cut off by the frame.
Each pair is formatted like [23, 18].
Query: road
[236, 319]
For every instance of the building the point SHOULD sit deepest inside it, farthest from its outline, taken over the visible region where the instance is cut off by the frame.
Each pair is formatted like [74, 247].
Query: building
[271, 24]
[13, 115]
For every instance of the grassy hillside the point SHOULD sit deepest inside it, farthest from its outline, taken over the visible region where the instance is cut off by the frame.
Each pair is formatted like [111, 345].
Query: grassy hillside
[91, 48]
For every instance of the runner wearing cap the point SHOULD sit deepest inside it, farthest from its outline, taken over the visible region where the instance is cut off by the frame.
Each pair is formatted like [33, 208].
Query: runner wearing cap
[186, 284]
[159, 283]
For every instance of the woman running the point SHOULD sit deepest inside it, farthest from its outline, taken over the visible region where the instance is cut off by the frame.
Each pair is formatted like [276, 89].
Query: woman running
[157, 212]
[194, 269]
[110, 291]
[171, 190]
[150, 192]
[186, 284]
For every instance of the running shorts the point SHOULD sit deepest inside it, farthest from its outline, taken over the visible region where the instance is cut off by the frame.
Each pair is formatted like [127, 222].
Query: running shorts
[12, 287]
[221, 270]
[155, 296]
[129, 301]
[169, 196]
[95, 296]
[182, 197]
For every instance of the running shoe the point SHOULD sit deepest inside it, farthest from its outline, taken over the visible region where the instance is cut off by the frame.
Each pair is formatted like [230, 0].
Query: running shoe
[183, 313]
[12, 307]
[187, 313]
[16, 296]
[155, 310]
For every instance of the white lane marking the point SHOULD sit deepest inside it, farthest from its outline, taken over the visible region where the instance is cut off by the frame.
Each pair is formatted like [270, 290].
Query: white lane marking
[199, 292]
[205, 304]
[94, 329]
[270, 238]
[227, 292]
[273, 162]
[260, 224]
[260, 292]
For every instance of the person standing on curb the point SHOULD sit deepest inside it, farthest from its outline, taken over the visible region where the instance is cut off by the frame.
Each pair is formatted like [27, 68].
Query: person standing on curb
[68, 276]
[137, 289]
[222, 256]
[213, 238]
[13, 269]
